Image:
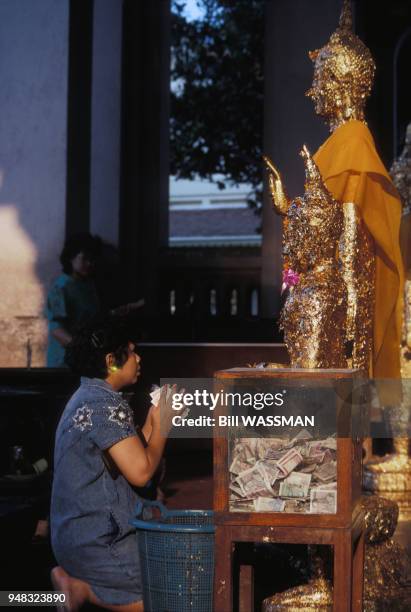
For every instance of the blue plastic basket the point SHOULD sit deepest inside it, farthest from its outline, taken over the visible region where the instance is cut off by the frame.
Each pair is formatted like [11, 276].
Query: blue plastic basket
[177, 558]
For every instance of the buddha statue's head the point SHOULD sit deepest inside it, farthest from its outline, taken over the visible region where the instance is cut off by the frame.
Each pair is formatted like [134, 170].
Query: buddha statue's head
[343, 74]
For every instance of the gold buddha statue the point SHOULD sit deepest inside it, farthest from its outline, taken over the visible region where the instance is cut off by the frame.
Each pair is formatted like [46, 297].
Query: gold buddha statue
[370, 243]
[354, 174]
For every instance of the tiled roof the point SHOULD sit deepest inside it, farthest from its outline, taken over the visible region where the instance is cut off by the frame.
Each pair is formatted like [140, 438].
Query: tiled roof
[234, 222]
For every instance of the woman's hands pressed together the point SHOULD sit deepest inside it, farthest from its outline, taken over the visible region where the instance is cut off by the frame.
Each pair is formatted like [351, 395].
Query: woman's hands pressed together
[164, 412]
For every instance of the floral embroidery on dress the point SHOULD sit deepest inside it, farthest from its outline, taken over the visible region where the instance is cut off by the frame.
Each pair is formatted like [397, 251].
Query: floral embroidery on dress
[82, 418]
[120, 414]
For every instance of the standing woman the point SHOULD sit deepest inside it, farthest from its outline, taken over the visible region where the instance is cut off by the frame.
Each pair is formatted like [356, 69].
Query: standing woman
[72, 299]
[98, 456]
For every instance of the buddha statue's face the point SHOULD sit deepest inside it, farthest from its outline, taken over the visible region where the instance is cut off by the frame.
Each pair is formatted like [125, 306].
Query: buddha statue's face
[333, 91]
[325, 90]
[343, 75]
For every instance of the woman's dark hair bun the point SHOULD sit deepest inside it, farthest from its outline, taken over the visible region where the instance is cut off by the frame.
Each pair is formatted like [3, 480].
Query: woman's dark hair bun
[92, 342]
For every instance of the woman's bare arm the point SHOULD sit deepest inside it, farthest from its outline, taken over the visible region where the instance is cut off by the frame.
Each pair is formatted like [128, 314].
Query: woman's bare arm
[136, 463]
[148, 425]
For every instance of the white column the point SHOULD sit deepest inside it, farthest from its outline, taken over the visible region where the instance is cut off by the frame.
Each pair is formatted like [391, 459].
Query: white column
[33, 119]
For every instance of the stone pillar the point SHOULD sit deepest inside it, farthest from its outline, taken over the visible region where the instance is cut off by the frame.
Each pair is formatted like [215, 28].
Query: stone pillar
[145, 167]
[79, 116]
[292, 29]
[106, 120]
[33, 119]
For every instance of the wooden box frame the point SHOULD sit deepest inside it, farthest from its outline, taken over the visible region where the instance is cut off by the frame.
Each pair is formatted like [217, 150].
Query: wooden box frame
[343, 530]
[349, 459]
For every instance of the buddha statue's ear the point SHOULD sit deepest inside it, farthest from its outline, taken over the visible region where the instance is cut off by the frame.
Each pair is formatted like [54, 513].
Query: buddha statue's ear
[278, 194]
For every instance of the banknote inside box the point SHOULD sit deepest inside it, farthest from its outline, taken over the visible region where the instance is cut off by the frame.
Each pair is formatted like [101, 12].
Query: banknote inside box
[295, 474]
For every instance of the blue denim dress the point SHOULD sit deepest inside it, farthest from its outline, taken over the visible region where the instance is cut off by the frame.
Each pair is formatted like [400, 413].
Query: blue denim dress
[91, 503]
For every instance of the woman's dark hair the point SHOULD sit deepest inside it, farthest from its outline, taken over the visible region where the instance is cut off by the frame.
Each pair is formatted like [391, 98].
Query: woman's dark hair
[79, 243]
[86, 353]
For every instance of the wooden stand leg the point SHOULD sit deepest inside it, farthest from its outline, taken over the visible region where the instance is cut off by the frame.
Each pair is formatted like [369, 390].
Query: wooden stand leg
[246, 594]
[358, 573]
[223, 587]
[342, 571]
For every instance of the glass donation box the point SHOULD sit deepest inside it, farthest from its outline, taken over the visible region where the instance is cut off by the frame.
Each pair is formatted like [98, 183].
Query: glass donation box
[288, 446]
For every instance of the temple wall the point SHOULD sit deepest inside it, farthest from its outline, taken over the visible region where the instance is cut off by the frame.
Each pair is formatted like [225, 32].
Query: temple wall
[33, 118]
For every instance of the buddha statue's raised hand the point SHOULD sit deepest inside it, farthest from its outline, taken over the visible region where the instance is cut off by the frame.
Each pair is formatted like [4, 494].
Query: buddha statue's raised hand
[277, 191]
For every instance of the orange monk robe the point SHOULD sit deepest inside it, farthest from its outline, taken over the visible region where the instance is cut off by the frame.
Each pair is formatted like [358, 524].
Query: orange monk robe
[353, 172]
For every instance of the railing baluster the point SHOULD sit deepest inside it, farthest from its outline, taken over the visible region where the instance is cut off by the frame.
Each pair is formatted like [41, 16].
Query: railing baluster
[172, 301]
[234, 303]
[254, 303]
[213, 302]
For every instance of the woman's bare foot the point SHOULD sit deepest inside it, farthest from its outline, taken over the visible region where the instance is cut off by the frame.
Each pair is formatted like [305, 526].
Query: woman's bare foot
[42, 529]
[76, 591]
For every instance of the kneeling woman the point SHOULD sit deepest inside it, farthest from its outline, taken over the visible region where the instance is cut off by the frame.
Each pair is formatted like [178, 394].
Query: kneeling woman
[98, 455]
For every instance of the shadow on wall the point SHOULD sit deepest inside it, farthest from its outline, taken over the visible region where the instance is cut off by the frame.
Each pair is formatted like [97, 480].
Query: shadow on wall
[33, 147]
[22, 328]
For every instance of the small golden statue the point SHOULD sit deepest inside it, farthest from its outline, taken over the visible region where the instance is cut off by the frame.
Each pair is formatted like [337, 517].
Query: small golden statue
[315, 596]
[313, 317]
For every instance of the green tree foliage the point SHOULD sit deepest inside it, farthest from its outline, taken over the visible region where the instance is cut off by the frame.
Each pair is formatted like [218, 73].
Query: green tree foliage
[217, 93]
